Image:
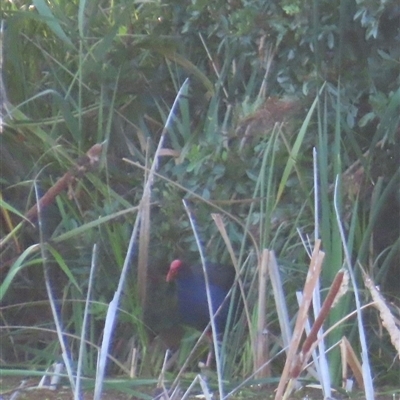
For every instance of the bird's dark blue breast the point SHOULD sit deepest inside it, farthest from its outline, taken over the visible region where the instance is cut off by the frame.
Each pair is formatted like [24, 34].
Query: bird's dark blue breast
[193, 305]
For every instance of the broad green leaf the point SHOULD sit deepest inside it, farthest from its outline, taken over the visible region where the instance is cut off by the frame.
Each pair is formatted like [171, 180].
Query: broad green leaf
[52, 22]
[60, 261]
[17, 267]
[10, 208]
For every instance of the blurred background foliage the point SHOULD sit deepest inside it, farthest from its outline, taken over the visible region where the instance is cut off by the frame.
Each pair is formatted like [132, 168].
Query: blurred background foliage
[77, 73]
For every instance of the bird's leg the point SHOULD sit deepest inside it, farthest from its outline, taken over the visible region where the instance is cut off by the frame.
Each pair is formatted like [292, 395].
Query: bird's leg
[210, 355]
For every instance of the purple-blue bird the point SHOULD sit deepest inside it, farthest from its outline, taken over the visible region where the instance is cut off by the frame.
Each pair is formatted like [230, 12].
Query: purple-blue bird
[192, 295]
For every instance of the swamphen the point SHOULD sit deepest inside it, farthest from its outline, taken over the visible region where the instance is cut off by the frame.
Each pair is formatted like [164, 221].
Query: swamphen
[192, 295]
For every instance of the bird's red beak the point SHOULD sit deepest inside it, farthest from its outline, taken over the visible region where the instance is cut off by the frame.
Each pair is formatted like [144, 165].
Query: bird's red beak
[170, 276]
[173, 270]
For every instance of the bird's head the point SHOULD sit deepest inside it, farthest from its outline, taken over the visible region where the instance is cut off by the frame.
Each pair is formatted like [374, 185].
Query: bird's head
[174, 270]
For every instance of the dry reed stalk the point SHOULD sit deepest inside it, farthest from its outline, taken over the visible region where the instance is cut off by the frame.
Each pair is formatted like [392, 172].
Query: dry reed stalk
[335, 291]
[312, 278]
[350, 359]
[222, 230]
[144, 241]
[388, 320]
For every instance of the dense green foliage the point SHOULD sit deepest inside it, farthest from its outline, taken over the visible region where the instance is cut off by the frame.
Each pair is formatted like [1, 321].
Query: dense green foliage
[268, 82]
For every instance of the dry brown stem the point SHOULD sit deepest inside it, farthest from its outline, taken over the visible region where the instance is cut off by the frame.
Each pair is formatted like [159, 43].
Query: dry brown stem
[311, 340]
[350, 359]
[82, 166]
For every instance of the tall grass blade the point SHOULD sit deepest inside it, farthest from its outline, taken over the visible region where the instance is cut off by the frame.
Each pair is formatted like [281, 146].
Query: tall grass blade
[111, 317]
[81, 18]
[367, 376]
[215, 68]
[65, 352]
[320, 359]
[296, 148]
[113, 307]
[144, 207]
[4, 105]
[222, 230]
[209, 301]
[144, 241]
[261, 341]
[327, 227]
[280, 301]
[64, 267]
[77, 394]
[92, 224]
